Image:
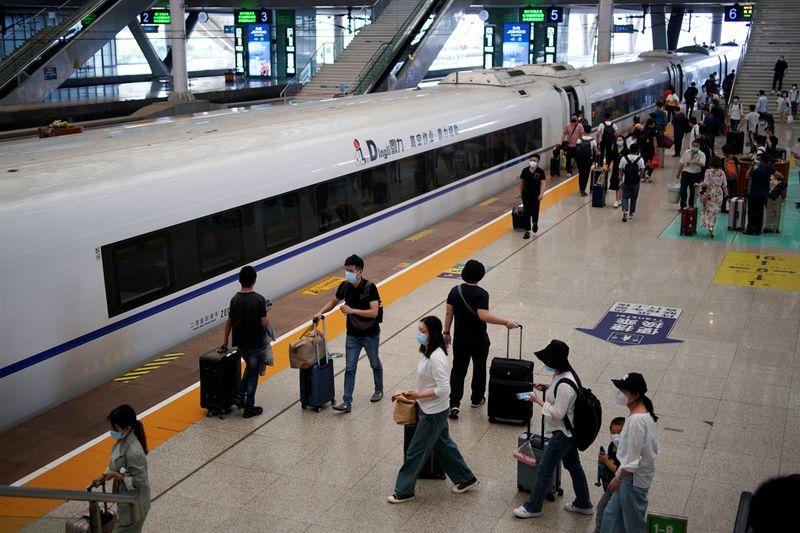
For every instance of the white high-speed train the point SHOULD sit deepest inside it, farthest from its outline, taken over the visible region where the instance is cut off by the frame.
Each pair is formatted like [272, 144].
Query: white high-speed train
[117, 244]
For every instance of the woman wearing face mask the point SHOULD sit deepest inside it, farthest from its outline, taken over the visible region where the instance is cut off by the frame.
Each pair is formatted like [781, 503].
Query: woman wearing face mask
[128, 467]
[532, 183]
[783, 105]
[432, 434]
[735, 113]
[794, 97]
[637, 450]
[560, 406]
[619, 151]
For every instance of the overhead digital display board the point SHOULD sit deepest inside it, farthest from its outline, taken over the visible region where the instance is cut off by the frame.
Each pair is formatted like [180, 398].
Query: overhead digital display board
[738, 13]
[251, 16]
[550, 14]
[155, 16]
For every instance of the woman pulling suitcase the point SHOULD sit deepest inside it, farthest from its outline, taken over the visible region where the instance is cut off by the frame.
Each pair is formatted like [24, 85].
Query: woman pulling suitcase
[432, 435]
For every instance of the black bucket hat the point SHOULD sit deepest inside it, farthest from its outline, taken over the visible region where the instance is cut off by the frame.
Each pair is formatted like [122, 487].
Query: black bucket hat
[555, 355]
[632, 382]
[473, 271]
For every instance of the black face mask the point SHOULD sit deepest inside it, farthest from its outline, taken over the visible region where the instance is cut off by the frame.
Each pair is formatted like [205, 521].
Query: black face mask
[574, 120]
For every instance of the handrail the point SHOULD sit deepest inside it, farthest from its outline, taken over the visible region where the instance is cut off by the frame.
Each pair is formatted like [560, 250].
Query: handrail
[31, 52]
[419, 11]
[44, 28]
[742, 53]
[743, 513]
[73, 495]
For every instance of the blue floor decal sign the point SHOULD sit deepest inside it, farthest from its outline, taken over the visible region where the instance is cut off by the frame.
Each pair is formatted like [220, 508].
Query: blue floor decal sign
[627, 324]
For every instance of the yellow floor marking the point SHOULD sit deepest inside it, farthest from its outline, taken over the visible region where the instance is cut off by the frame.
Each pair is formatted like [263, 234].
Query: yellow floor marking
[165, 423]
[488, 201]
[322, 286]
[418, 236]
[759, 270]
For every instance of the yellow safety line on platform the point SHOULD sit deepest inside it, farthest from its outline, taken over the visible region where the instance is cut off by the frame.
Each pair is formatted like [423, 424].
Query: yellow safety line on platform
[184, 411]
[145, 369]
[488, 201]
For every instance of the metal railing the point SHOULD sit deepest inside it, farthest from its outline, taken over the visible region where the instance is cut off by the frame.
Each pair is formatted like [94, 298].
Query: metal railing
[93, 498]
[742, 53]
[311, 67]
[377, 65]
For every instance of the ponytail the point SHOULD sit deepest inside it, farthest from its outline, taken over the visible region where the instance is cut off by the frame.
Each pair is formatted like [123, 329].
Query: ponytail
[648, 404]
[138, 430]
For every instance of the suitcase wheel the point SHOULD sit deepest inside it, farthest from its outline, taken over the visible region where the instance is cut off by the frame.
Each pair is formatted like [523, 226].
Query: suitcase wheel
[303, 406]
[520, 488]
[318, 409]
[492, 419]
[333, 402]
[551, 497]
[560, 492]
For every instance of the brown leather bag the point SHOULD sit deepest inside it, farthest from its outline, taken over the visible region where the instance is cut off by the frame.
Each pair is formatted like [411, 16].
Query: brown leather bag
[405, 410]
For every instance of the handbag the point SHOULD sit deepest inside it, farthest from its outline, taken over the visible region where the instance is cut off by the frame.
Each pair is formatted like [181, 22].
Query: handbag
[665, 141]
[405, 410]
[524, 454]
[655, 162]
[309, 348]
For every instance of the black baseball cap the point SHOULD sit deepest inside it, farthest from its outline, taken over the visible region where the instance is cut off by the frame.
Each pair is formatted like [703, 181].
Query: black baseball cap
[555, 355]
[632, 382]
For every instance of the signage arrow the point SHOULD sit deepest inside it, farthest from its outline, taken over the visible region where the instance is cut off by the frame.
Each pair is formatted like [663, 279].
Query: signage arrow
[625, 339]
[629, 324]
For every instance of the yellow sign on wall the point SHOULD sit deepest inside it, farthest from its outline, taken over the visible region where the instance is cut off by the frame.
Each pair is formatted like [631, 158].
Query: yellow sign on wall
[760, 270]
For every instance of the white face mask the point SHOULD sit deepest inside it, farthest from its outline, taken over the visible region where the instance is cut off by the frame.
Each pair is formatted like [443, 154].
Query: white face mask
[615, 439]
[620, 398]
[533, 164]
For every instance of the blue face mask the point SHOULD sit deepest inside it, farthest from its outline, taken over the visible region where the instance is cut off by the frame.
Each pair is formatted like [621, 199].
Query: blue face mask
[116, 435]
[695, 149]
[550, 369]
[422, 338]
[351, 277]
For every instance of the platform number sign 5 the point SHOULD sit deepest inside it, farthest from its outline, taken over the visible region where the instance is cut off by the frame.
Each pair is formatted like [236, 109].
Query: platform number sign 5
[555, 14]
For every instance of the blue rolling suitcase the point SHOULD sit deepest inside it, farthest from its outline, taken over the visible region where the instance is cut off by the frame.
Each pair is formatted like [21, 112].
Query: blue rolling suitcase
[316, 381]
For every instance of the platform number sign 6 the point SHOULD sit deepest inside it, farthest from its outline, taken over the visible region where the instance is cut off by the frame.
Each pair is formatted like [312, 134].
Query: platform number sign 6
[733, 13]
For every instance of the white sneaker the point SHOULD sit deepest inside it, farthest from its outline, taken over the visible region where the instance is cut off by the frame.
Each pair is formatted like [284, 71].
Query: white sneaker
[616, 204]
[521, 512]
[572, 509]
[631, 215]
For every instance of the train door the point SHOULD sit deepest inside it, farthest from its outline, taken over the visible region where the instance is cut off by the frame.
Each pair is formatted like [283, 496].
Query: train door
[680, 86]
[572, 97]
[672, 70]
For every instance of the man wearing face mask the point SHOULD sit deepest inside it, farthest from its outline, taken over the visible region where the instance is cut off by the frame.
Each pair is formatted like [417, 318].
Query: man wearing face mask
[735, 113]
[780, 69]
[690, 172]
[362, 308]
[569, 139]
[680, 126]
[559, 406]
[532, 183]
[794, 97]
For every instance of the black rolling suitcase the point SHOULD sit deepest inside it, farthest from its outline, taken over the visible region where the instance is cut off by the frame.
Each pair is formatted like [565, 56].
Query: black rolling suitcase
[316, 381]
[518, 217]
[599, 186]
[220, 375]
[555, 162]
[735, 141]
[507, 377]
[526, 474]
[431, 469]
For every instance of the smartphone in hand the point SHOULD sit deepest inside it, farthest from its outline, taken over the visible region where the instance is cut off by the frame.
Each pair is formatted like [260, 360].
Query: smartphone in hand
[523, 395]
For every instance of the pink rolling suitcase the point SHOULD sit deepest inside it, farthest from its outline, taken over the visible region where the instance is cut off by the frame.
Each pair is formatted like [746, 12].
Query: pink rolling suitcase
[737, 214]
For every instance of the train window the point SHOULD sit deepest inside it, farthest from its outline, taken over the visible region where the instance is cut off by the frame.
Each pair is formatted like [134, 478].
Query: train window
[334, 207]
[448, 159]
[281, 219]
[496, 147]
[370, 187]
[220, 242]
[141, 269]
[475, 155]
[412, 176]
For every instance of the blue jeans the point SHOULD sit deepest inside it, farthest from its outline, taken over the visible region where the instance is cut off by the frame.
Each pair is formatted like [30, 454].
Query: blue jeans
[630, 193]
[559, 448]
[431, 436]
[352, 350]
[626, 510]
[247, 389]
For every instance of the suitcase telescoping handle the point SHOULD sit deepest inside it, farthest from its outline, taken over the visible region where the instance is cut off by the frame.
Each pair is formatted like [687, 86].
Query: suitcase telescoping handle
[530, 435]
[315, 322]
[508, 342]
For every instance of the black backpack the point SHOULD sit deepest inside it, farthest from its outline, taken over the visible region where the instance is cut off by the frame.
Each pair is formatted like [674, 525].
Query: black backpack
[584, 151]
[608, 134]
[588, 415]
[631, 173]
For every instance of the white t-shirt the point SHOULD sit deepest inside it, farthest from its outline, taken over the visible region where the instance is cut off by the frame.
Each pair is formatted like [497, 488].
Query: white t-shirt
[632, 159]
[693, 163]
[694, 133]
[673, 100]
[434, 373]
[752, 121]
[602, 128]
[735, 111]
[559, 405]
[638, 447]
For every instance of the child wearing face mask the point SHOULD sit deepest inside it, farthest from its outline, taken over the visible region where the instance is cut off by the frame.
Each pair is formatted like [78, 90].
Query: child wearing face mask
[607, 464]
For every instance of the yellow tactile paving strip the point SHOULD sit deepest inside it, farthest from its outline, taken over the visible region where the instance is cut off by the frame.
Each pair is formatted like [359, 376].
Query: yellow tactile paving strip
[183, 412]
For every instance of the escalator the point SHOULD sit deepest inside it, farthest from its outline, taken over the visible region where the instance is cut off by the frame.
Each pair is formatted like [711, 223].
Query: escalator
[45, 61]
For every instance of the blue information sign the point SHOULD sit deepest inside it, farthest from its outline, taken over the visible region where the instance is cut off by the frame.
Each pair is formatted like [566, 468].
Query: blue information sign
[230, 28]
[516, 39]
[50, 73]
[628, 324]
